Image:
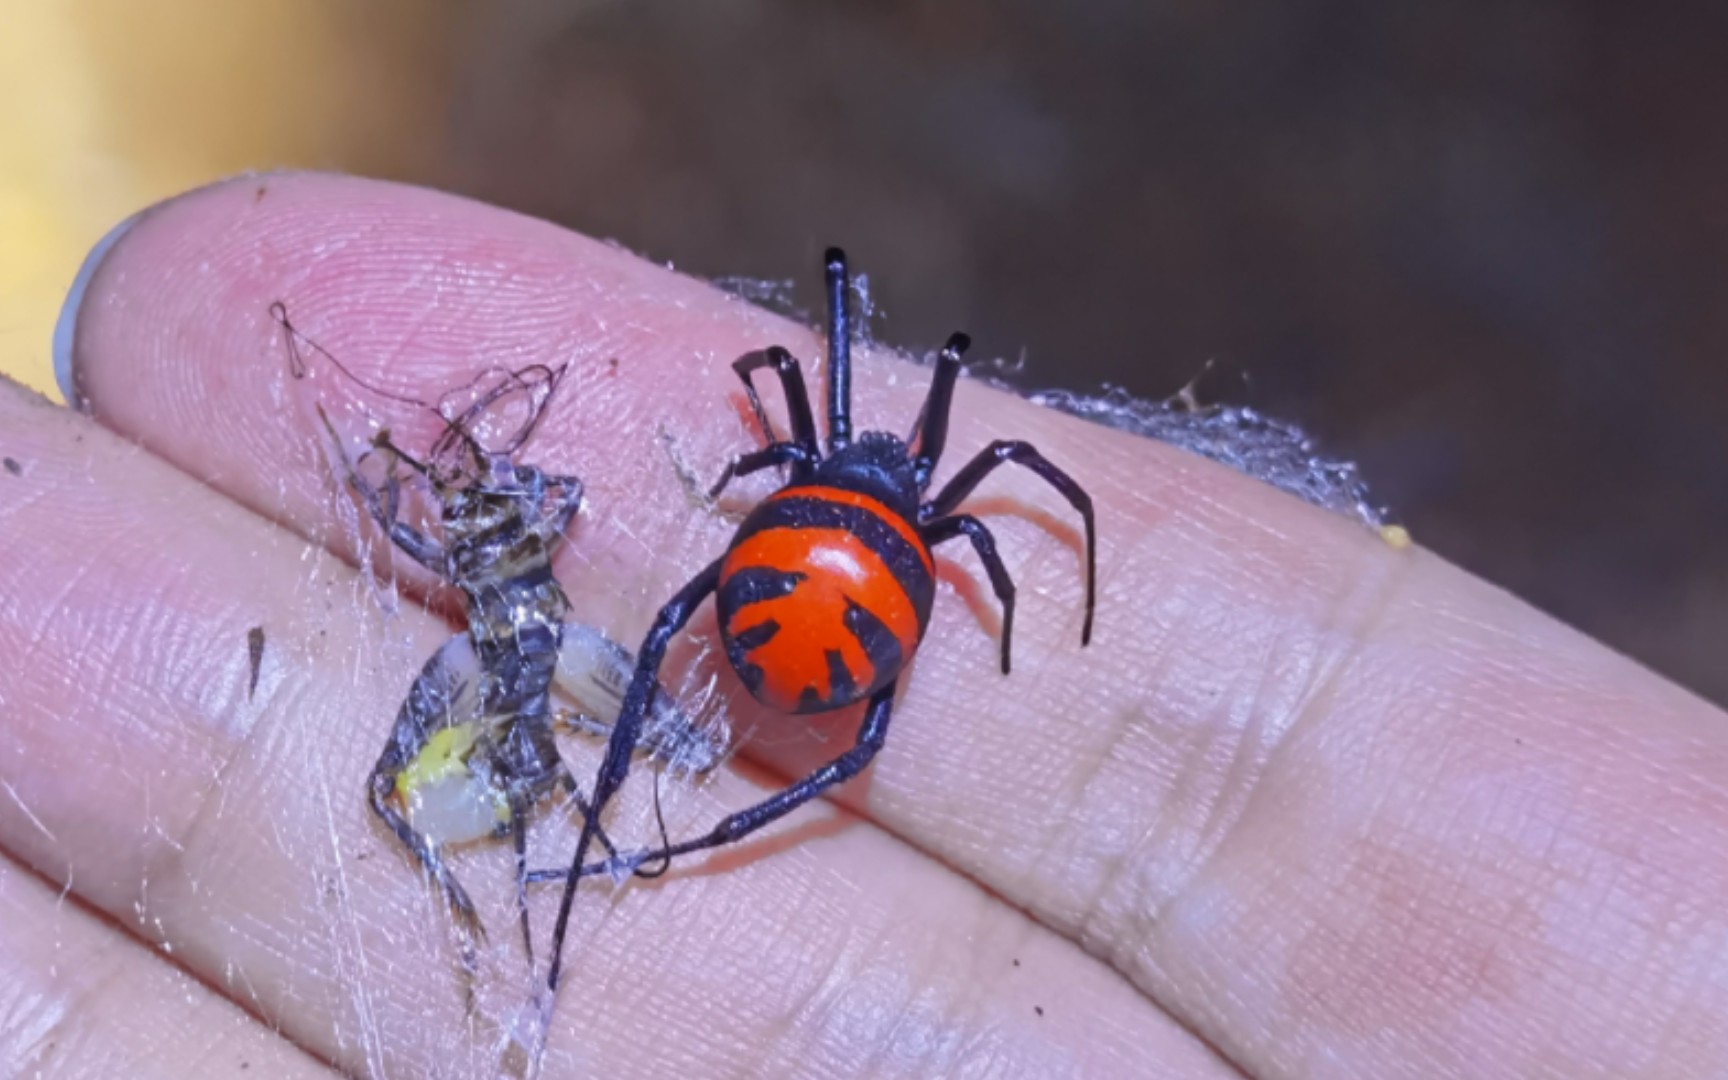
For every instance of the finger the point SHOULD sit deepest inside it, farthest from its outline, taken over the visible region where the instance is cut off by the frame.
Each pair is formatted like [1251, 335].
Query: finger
[1294, 765]
[82, 1000]
[231, 828]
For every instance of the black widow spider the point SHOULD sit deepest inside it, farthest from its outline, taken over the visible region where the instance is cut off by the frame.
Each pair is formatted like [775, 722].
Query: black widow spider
[825, 590]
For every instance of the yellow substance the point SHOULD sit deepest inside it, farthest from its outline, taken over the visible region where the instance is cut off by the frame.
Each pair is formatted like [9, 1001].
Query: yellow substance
[443, 758]
[107, 106]
[1397, 537]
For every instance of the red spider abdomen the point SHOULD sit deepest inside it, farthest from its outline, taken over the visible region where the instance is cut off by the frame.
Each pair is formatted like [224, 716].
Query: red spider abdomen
[823, 598]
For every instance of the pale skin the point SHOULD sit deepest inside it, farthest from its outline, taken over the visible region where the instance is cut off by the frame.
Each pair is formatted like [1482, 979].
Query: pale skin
[1307, 807]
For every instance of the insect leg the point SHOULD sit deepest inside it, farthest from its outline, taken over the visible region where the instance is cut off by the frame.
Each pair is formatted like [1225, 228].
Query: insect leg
[567, 491]
[595, 670]
[575, 722]
[430, 856]
[665, 862]
[933, 419]
[984, 544]
[383, 505]
[581, 723]
[519, 841]
[294, 339]
[422, 786]
[418, 546]
[1024, 453]
[619, 748]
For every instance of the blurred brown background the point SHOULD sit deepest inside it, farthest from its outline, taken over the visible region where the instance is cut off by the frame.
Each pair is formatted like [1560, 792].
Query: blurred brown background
[1477, 247]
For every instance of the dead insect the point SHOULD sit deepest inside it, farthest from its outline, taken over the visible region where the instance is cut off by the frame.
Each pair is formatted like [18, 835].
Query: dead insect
[473, 750]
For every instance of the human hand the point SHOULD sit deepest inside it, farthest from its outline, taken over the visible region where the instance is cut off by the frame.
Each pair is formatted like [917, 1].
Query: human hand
[1307, 807]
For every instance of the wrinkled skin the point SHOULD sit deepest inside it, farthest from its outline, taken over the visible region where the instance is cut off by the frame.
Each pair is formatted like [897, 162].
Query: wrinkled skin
[1308, 807]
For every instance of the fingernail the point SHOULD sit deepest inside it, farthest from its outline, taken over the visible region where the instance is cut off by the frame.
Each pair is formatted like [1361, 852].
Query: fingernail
[66, 326]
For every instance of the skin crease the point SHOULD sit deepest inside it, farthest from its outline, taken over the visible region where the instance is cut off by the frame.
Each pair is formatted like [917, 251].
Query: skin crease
[82, 1002]
[1308, 807]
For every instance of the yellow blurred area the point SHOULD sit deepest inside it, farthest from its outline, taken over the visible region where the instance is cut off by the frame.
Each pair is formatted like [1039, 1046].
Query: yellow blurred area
[107, 106]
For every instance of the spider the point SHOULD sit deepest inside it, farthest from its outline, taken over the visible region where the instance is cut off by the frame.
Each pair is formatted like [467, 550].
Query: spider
[472, 750]
[824, 592]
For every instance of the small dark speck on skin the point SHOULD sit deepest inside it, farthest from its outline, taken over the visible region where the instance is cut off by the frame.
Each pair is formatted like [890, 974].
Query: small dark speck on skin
[613, 364]
[1016, 961]
[255, 653]
[12, 466]
[1039, 1009]
[261, 192]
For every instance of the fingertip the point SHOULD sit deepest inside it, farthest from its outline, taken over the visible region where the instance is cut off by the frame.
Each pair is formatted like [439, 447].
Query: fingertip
[65, 347]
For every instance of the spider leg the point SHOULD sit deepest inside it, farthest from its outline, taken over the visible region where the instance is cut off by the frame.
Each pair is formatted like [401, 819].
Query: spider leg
[933, 418]
[574, 794]
[743, 367]
[943, 529]
[839, 282]
[644, 685]
[872, 732]
[528, 756]
[791, 385]
[1025, 454]
[780, 453]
